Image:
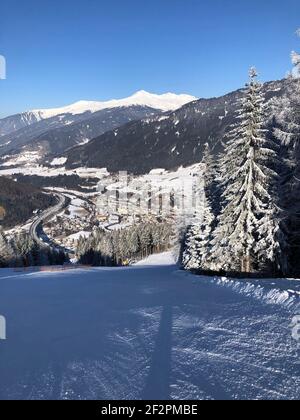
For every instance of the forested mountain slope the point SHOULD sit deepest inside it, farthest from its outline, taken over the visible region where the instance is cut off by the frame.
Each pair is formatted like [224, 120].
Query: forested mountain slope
[166, 141]
[18, 201]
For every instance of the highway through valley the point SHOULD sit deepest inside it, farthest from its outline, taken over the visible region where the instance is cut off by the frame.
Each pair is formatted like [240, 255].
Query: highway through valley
[44, 216]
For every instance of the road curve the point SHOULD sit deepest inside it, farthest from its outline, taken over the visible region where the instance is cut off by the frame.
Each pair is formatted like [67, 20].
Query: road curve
[47, 214]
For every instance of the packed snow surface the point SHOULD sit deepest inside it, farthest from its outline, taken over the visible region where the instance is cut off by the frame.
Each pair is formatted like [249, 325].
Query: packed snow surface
[149, 331]
[164, 102]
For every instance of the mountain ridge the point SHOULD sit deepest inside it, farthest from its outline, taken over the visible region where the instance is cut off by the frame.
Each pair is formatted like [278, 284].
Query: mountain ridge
[169, 141]
[52, 136]
[163, 102]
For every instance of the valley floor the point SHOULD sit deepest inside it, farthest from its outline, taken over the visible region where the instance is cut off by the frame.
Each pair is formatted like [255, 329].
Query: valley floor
[150, 331]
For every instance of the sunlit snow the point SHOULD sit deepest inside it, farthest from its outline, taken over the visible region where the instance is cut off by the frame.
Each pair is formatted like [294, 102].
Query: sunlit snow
[149, 331]
[164, 102]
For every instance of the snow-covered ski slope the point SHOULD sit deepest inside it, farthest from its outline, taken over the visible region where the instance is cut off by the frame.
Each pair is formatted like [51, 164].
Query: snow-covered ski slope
[148, 331]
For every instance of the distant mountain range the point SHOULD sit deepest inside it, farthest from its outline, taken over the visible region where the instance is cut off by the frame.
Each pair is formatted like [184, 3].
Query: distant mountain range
[136, 134]
[53, 136]
[166, 141]
[79, 110]
[53, 131]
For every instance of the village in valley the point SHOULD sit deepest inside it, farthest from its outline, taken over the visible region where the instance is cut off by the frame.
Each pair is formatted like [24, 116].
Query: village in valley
[115, 201]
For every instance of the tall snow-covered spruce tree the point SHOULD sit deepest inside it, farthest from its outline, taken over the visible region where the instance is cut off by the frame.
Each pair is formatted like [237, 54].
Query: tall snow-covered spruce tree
[288, 132]
[248, 231]
[198, 235]
[197, 241]
[211, 179]
[7, 254]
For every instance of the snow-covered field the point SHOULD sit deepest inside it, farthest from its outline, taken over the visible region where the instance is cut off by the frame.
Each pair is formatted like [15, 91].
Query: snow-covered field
[149, 331]
[39, 170]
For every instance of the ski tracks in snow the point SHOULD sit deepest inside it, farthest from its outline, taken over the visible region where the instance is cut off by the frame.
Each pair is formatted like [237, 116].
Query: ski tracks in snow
[145, 332]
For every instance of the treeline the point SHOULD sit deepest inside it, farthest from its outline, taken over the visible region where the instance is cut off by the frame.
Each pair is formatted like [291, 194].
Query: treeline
[22, 251]
[19, 200]
[120, 247]
[71, 182]
[250, 218]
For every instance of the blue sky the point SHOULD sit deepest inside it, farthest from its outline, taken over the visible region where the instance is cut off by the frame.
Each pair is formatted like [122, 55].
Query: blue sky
[59, 52]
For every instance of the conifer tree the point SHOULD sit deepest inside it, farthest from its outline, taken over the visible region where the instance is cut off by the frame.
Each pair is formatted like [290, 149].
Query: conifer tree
[246, 173]
[211, 179]
[198, 236]
[197, 243]
[287, 130]
[7, 255]
[113, 248]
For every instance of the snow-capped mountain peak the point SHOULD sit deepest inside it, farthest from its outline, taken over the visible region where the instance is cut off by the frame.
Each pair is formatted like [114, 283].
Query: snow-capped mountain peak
[164, 102]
